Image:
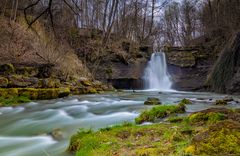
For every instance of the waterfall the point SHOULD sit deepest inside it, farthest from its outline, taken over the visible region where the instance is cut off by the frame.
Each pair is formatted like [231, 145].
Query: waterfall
[156, 76]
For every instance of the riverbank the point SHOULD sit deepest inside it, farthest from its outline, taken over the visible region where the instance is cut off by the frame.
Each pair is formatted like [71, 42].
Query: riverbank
[213, 131]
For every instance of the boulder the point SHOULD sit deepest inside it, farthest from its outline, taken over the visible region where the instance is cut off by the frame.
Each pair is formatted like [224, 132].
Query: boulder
[152, 101]
[3, 82]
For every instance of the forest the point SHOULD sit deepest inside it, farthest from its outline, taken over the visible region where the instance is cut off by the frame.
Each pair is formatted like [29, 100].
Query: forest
[119, 77]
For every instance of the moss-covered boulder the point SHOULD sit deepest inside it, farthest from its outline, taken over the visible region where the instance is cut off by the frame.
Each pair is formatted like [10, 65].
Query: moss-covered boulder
[201, 118]
[3, 82]
[7, 69]
[158, 112]
[152, 101]
[186, 101]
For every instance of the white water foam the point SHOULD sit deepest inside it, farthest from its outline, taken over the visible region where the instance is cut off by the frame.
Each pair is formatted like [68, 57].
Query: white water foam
[156, 76]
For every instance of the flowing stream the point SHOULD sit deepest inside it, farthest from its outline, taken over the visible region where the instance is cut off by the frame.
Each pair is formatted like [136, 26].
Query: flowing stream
[156, 76]
[26, 130]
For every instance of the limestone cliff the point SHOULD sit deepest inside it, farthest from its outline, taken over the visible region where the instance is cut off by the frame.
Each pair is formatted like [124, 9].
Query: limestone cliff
[189, 66]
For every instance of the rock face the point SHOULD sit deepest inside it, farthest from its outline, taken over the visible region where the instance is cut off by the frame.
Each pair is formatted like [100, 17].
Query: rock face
[127, 76]
[37, 84]
[188, 67]
[121, 65]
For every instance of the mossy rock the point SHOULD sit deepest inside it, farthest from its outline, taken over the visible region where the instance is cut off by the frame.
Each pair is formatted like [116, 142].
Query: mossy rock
[91, 90]
[3, 82]
[208, 117]
[63, 92]
[132, 140]
[27, 71]
[86, 83]
[44, 94]
[31, 93]
[158, 112]
[35, 94]
[20, 81]
[50, 83]
[7, 69]
[221, 102]
[152, 101]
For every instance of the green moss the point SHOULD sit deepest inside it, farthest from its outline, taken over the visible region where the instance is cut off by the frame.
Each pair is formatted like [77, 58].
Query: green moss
[208, 118]
[175, 139]
[159, 112]
[130, 139]
[13, 101]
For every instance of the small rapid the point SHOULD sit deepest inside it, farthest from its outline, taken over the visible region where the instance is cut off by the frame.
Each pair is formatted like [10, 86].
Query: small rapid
[156, 76]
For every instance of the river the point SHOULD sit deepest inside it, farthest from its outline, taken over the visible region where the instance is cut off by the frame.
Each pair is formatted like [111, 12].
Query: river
[26, 130]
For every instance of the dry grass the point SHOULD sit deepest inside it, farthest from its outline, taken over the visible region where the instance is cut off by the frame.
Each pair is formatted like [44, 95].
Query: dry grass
[20, 45]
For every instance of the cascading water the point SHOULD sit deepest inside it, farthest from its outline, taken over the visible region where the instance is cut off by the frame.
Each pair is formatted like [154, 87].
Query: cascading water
[156, 76]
